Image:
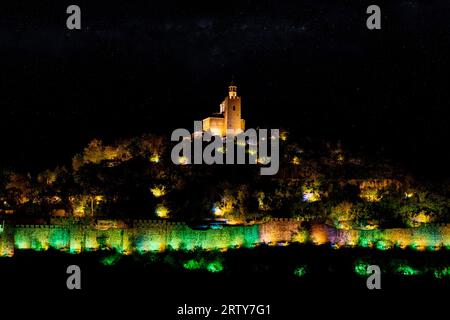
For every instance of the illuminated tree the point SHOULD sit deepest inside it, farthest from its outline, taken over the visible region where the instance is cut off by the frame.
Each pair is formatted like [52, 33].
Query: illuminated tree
[19, 189]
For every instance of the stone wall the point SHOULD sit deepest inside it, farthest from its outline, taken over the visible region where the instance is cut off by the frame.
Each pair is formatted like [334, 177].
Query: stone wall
[158, 235]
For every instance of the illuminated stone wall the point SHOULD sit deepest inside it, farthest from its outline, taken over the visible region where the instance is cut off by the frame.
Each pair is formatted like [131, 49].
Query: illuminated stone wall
[161, 235]
[430, 237]
[7, 242]
[279, 230]
[147, 236]
[144, 236]
[75, 238]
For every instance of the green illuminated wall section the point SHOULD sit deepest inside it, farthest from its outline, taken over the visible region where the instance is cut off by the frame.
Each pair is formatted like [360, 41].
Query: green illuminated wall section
[156, 237]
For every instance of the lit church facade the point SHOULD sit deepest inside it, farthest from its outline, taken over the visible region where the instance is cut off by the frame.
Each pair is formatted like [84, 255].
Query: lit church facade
[229, 117]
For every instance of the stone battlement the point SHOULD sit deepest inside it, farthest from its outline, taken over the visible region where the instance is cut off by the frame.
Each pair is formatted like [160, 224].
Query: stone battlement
[284, 219]
[39, 226]
[157, 222]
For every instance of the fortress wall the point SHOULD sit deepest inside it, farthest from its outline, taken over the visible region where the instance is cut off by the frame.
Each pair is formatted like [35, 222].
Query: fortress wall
[161, 235]
[41, 237]
[154, 237]
[279, 230]
[7, 242]
[419, 238]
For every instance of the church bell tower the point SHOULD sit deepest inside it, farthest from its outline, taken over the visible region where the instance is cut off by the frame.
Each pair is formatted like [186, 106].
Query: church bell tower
[229, 117]
[232, 111]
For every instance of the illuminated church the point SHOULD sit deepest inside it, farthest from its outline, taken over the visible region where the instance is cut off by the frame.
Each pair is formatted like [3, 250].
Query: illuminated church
[229, 117]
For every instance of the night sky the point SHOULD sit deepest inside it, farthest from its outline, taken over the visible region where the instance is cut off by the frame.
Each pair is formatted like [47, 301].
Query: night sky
[143, 66]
